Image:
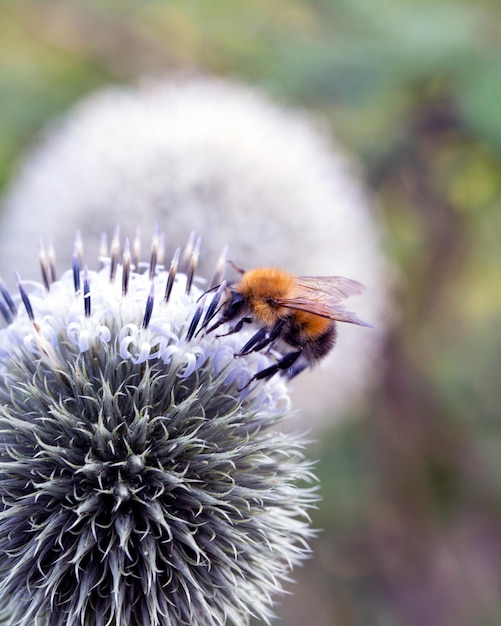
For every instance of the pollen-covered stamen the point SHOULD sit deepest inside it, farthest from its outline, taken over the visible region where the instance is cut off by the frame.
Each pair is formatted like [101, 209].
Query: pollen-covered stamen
[218, 275]
[114, 254]
[76, 267]
[126, 268]
[172, 274]
[86, 292]
[149, 306]
[25, 298]
[193, 264]
[44, 265]
[8, 298]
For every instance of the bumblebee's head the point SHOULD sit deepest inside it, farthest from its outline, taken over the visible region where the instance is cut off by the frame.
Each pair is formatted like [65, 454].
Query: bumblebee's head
[233, 306]
[228, 302]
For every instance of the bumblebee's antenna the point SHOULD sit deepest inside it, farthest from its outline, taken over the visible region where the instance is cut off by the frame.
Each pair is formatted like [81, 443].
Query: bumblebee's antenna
[236, 268]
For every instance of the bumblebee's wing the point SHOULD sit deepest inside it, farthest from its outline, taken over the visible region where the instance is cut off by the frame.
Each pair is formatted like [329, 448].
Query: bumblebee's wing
[323, 296]
[334, 288]
[337, 313]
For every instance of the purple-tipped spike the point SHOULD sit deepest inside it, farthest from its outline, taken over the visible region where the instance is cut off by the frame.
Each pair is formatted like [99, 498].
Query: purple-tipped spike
[172, 274]
[136, 250]
[103, 249]
[44, 265]
[149, 306]
[154, 253]
[76, 266]
[187, 252]
[218, 275]
[78, 246]
[126, 268]
[25, 298]
[86, 292]
[161, 249]
[213, 306]
[8, 298]
[195, 319]
[51, 254]
[193, 264]
[114, 254]
[6, 314]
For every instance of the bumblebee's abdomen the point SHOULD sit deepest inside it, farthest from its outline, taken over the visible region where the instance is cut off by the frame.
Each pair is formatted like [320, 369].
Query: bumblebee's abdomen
[315, 341]
[310, 325]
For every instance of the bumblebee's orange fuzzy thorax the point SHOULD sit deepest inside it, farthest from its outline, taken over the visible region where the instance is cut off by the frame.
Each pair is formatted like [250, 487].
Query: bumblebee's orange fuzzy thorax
[261, 287]
[266, 282]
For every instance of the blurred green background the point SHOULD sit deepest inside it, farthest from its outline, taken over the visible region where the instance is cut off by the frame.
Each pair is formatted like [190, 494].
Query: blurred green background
[412, 485]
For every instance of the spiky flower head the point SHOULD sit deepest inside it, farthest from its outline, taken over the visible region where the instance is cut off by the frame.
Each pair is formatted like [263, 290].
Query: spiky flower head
[140, 481]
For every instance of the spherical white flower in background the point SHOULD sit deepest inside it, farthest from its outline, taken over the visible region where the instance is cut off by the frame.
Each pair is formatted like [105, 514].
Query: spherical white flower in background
[217, 157]
[140, 479]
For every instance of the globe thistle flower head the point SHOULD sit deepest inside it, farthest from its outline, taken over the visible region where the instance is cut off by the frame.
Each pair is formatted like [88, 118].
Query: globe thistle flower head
[140, 480]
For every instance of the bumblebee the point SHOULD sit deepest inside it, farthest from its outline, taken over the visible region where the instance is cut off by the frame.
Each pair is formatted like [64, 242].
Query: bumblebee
[294, 315]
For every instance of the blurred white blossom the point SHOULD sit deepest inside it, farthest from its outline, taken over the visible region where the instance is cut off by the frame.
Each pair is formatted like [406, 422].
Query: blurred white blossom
[220, 158]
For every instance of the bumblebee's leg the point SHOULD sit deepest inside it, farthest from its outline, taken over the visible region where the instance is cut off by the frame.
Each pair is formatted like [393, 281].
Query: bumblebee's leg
[296, 369]
[261, 339]
[282, 365]
[238, 326]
